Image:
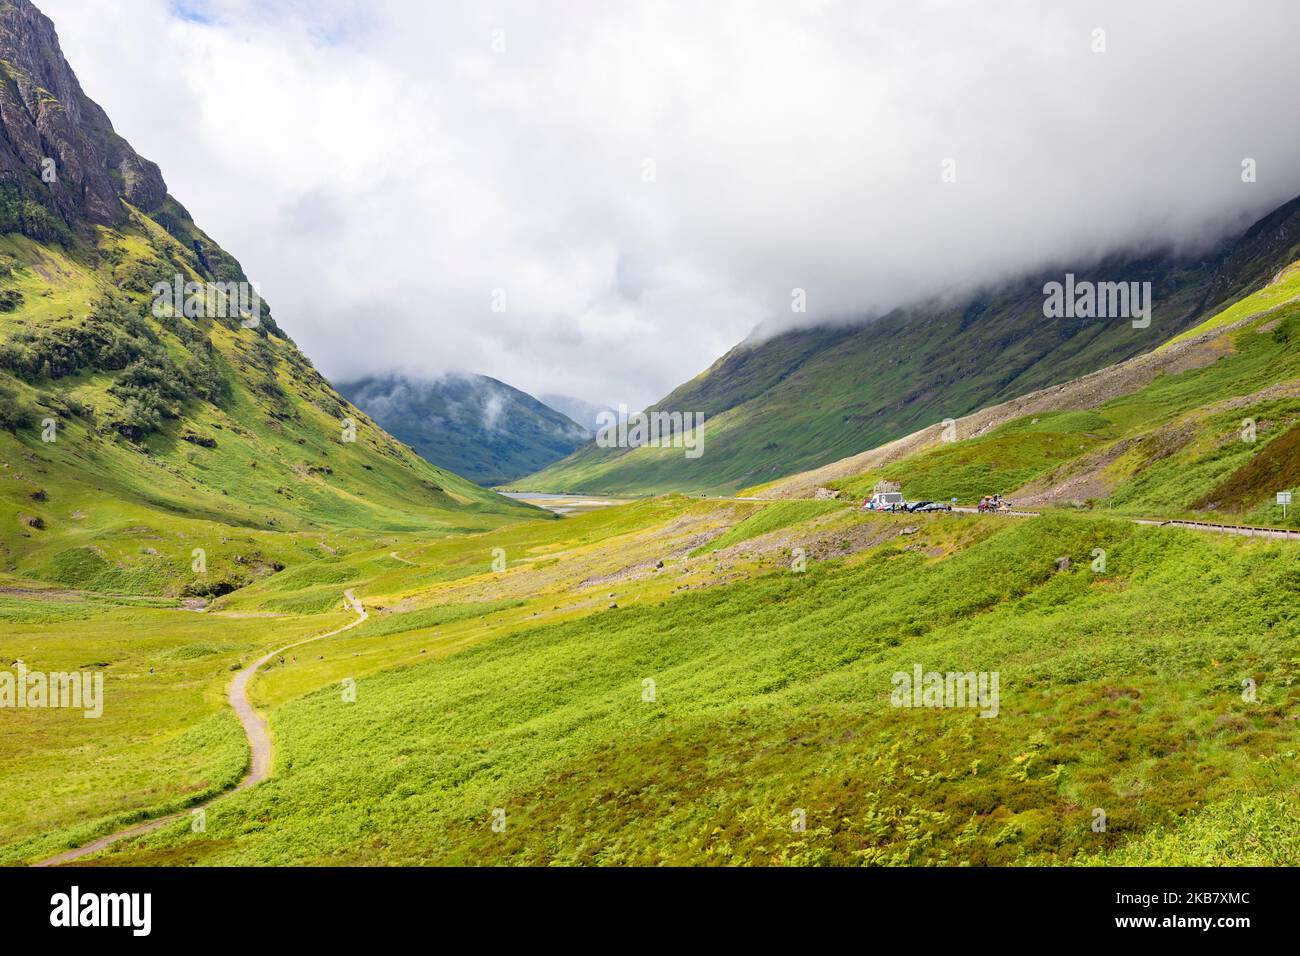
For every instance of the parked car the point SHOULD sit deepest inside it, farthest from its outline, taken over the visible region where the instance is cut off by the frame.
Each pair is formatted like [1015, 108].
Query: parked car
[917, 505]
[933, 506]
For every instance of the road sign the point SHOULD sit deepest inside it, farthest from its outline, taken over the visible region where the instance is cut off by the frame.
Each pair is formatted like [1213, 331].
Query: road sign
[1284, 499]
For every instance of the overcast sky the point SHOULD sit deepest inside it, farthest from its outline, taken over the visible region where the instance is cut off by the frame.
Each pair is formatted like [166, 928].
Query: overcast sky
[646, 182]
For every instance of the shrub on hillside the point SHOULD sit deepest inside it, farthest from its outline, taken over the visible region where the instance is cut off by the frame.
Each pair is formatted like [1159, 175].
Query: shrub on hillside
[208, 382]
[1283, 330]
[13, 413]
[212, 588]
[152, 388]
[71, 405]
[43, 225]
[109, 338]
[141, 415]
[154, 372]
[115, 337]
[32, 218]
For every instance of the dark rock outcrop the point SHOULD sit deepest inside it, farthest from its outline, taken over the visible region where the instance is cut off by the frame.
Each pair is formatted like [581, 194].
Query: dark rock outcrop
[44, 114]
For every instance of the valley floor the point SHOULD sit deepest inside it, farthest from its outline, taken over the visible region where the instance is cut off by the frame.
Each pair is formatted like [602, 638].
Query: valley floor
[691, 681]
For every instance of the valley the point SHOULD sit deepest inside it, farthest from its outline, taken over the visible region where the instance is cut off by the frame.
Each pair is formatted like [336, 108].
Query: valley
[431, 621]
[526, 691]
[603, 680]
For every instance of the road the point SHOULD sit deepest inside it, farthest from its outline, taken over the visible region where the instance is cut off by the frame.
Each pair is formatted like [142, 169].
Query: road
[1244, 530]
[255, 729]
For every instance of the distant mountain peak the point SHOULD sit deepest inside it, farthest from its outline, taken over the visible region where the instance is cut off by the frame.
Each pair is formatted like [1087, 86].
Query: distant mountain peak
[579, 410]
[471, 424]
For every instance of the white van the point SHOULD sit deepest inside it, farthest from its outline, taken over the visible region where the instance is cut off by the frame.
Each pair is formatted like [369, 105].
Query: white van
[884, 501]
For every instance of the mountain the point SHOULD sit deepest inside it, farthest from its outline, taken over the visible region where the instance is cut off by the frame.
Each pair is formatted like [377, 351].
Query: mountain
[149, 403]
[1205, 427]
[582, 412]
[808, 397]
[471, 424]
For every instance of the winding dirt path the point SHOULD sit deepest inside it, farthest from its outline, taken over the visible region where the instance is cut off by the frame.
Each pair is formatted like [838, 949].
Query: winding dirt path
[255, 729]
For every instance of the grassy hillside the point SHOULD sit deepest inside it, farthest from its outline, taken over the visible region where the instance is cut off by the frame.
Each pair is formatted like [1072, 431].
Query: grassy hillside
[1219, 438]
[771, 694]
[174, 433]
[806, 398]
[523, 690]
[674, 680]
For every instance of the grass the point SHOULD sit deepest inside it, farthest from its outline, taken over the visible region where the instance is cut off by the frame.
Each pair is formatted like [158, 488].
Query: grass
[482, 686]
[1120, 690]
[521, 689]
[166, 738]
[140, 760]
[1175, 448]
[771, 518]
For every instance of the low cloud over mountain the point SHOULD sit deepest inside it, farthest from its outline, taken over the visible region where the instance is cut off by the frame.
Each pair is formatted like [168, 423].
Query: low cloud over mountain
[638, 226]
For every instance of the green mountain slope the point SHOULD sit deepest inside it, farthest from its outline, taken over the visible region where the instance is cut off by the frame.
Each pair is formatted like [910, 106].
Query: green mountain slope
[471, 424]
[1205, 427]
[130, 435]
[812, 396]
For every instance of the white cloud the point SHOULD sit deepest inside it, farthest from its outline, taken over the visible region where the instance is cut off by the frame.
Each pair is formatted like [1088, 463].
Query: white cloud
[380, 169]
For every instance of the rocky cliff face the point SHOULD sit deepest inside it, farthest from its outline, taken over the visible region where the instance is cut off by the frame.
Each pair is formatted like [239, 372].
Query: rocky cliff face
[64, 170]
[44, 114]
